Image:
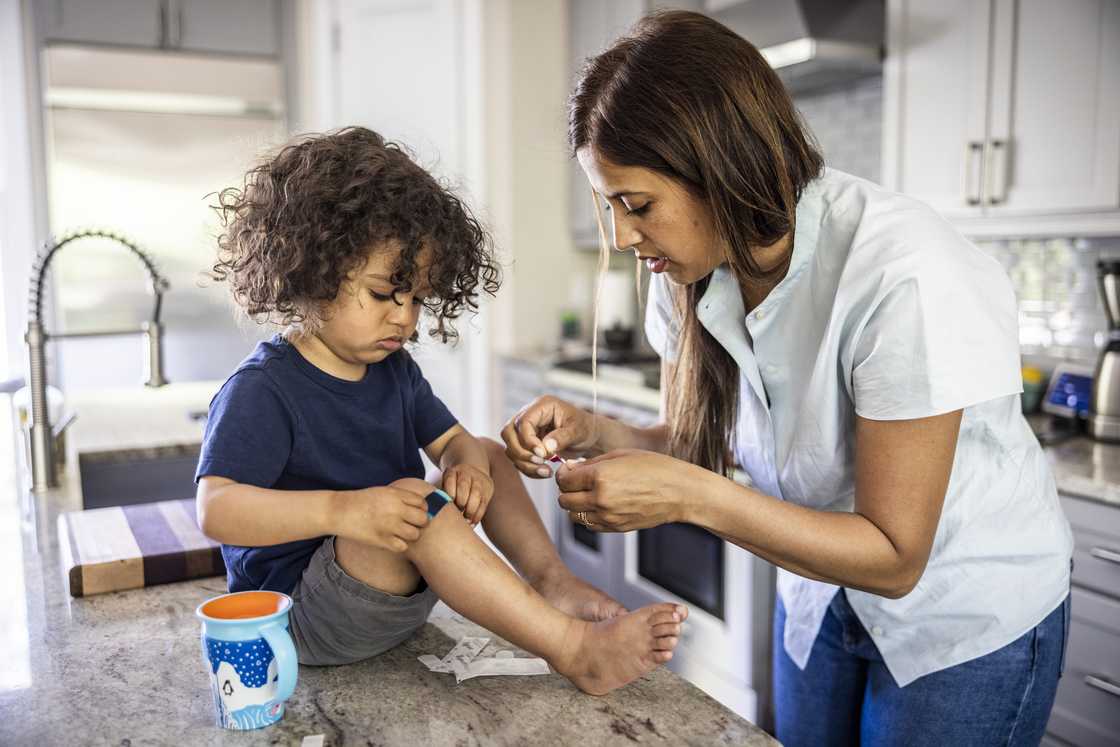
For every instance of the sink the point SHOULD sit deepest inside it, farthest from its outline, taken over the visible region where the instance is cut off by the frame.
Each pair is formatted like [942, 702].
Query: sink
[123, 477]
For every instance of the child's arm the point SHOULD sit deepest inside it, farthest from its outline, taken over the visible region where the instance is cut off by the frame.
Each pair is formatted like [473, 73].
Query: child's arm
[466, 471]
[237, 514]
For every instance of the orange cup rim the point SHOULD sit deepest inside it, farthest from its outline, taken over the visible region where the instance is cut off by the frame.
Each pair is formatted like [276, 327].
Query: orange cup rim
[284, 604]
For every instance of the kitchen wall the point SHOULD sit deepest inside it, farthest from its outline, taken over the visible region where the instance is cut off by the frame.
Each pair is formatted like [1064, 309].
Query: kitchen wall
[23, 222]
[1060, 309]
[848, 123]
[526, 205]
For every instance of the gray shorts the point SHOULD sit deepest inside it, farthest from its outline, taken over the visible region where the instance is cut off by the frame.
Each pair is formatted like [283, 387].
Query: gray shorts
[337, 619]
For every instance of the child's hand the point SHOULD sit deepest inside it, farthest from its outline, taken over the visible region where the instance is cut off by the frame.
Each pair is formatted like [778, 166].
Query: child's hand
[389, 517]
[471, 488]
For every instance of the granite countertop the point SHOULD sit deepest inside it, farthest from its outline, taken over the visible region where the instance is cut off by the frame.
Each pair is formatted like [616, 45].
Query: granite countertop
[1083, 468]
[126, 668]
[1087, 469]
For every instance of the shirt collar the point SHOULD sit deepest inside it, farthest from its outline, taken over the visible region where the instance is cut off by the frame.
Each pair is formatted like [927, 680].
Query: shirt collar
[721, 309]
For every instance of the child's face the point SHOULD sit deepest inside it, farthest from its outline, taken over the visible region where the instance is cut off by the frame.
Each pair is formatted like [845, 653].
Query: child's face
[367, 323]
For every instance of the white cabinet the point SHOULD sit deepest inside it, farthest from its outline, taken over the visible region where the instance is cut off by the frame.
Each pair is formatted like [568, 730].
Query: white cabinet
[133, 23]
[1003, 114]
[1055, 106]
[250, 27]
[232, 26]
[940, 50]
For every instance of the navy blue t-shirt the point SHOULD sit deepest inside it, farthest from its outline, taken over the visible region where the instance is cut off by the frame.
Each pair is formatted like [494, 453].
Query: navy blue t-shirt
[279, 422]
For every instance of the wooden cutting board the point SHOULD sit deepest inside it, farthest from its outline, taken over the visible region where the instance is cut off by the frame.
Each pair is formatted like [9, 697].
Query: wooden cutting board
[129, 547]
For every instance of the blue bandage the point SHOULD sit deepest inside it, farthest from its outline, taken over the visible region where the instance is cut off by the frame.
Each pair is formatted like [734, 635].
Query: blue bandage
[437, 499]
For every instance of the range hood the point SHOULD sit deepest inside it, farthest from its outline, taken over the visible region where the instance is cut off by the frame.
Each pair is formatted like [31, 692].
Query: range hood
[813, 44]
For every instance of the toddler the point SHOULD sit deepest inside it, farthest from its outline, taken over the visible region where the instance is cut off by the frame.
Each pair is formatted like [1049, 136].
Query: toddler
[310, 474]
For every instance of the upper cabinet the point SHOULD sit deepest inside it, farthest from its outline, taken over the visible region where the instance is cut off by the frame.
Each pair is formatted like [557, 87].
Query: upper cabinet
[133, 23]
[249, 27]
[1003, 114]
[235, 26]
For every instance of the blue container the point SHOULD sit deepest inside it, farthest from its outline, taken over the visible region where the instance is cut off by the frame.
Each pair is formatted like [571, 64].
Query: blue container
[249, 655]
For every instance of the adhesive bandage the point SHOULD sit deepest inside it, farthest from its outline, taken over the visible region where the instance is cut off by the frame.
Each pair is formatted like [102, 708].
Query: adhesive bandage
[436, 499]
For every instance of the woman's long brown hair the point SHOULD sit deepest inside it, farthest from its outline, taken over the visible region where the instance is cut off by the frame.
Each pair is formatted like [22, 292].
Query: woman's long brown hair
[689, 98]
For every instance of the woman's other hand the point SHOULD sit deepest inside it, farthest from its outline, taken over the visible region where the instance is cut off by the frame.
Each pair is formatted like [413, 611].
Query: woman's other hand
[543, 428]
[629, 489]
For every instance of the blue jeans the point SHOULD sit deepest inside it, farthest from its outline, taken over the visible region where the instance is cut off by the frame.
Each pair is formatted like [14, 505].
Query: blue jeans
[846, 696]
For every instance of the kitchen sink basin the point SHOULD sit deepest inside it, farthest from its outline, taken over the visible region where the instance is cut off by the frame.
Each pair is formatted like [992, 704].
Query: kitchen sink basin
[123, 477]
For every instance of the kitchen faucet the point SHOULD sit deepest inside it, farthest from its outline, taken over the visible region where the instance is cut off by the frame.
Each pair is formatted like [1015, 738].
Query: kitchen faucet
[44, 470]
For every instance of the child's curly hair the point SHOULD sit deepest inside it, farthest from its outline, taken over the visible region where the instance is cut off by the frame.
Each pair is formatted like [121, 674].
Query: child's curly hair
[308, 217]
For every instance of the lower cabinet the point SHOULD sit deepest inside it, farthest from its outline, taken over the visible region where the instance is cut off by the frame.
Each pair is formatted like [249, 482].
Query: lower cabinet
[1087, 707]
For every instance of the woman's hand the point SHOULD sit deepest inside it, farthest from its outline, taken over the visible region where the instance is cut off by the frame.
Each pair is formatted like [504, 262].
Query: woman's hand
[629, 489]
[471, 488]
[544, 427]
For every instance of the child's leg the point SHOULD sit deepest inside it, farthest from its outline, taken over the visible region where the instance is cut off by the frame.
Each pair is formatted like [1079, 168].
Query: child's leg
[515, 527]
[472, 580]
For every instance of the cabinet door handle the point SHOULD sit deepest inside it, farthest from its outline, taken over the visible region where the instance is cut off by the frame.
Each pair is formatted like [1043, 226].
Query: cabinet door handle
[163, 25]
[995, 170]
[178, 23]
[972, 196]
[1103, 553]
[1101, 683]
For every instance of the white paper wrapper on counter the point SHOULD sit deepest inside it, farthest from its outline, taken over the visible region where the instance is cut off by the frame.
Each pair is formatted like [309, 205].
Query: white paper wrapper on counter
[463, 662]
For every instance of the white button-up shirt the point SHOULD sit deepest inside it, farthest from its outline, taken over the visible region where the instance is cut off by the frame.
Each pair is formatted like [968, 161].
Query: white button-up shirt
[888, 313]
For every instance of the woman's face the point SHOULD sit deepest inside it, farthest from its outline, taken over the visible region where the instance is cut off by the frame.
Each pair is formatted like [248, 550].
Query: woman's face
[664, 224]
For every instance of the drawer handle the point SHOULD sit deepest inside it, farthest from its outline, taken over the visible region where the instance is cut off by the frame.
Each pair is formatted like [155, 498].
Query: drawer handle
[972, 196]
[1102, 684]
[996, 152]
[1103, 553]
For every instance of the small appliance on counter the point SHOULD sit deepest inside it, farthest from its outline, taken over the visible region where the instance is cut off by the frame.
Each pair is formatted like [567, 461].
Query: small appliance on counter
[618, 310]
[1066, 402]
[1104, 417]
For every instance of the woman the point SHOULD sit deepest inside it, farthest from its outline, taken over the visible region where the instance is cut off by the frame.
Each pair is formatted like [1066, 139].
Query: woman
[858, 359]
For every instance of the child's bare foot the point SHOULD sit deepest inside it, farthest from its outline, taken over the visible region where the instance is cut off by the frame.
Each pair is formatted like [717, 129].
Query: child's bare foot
[609, 654]
[570, 594]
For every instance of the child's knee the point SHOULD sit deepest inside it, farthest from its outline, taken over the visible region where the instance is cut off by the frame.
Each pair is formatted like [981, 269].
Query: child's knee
[494, 451]
[384, 570]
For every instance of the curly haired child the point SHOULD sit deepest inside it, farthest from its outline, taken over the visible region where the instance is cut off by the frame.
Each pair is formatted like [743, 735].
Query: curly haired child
[310, 474]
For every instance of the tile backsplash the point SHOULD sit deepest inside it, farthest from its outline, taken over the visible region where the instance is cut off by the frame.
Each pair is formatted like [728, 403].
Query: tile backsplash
[1060, 310]
[848, 124]
[1061, 314]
